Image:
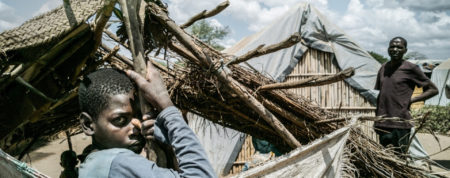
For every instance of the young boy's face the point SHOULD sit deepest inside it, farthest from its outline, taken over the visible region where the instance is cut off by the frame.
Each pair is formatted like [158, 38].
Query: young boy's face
[113, 127]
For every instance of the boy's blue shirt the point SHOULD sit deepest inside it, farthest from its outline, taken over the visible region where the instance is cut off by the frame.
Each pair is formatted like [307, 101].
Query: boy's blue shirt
[169, 128]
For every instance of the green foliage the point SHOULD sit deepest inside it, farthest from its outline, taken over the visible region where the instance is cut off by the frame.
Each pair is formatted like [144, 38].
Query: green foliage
[438, 120]
[208, 33]
[380, 58]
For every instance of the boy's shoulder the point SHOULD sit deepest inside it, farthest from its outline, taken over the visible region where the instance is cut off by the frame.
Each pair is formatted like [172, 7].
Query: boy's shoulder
[98, 164]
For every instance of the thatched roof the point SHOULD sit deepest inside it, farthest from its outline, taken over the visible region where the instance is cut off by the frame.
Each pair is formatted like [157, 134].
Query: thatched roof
[40, 62]
[49, 27]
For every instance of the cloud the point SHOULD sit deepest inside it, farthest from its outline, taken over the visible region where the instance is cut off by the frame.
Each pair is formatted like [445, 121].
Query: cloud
[8, 17]
[427, 5]
[373, 23]
[48, 6]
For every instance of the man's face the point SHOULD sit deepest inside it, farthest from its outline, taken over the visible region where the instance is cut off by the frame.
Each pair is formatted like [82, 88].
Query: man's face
[397, 49]
[113, 128]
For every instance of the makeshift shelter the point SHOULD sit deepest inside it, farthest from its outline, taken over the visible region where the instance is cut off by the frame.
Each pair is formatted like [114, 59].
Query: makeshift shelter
[41, 62]
[324, 51]
[440, 75]
[208, 83]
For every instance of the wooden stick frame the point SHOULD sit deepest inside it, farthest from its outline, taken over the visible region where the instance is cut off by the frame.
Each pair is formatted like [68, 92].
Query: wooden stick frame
[229, 82]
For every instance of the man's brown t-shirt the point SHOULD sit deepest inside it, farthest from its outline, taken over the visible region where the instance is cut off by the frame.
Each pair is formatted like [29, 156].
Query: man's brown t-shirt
[396, 85]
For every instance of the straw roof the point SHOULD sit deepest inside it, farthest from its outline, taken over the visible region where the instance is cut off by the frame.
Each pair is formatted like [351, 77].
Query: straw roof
[49, 26]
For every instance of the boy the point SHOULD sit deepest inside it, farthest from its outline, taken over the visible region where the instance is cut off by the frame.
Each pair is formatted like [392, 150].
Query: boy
[106, 99]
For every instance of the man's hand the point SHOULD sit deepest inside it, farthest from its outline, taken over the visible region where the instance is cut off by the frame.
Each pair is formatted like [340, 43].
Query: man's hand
[152, 87]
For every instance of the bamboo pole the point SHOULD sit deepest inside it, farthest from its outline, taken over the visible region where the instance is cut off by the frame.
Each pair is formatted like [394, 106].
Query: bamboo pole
[205, 14]
[232, 85]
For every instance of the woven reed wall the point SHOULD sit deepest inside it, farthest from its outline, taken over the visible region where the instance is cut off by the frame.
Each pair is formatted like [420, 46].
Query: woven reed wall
[339, 97]
[247, 151]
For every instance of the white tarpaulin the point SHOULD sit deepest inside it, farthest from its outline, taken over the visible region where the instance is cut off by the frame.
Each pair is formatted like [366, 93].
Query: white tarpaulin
[322, 158]
[318, 33]
[11, 167]
[440, 75]
[222, 145]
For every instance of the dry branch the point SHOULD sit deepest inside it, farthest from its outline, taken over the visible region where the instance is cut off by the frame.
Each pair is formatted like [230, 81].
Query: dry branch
[261, 50]
[115, 38]
[205, 14]
[311, 81]
[231, 84]
[364, 118]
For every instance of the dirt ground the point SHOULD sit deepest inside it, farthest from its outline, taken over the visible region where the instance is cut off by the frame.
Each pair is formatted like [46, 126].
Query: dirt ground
[46, 159]
[430, 144]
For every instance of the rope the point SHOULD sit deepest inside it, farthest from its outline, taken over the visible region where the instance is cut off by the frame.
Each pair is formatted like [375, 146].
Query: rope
[49, 26]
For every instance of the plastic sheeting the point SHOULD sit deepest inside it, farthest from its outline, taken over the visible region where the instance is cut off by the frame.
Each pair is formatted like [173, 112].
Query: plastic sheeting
[318, 33]
[11, 167]
[440, 75]
[222, 145]
[322, 158]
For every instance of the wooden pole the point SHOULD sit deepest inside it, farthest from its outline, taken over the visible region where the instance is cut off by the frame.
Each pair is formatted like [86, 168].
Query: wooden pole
[130, 17]
[311, 81]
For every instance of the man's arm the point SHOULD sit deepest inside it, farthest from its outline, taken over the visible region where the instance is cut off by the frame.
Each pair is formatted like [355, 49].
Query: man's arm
[429, 90]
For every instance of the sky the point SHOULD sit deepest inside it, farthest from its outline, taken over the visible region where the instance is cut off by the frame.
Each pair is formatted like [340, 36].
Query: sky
[370, 23]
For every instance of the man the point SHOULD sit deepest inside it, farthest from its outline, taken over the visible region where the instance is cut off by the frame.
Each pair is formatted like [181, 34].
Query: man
[396, 81]
[106, 99]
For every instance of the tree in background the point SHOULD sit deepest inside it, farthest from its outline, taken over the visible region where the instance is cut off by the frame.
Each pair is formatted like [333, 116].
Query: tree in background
[414, 55]
[380, 58]
[209, 34]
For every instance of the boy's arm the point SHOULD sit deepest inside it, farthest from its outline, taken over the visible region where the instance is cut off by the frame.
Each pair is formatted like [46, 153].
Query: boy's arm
[191, 155]
[192, 158]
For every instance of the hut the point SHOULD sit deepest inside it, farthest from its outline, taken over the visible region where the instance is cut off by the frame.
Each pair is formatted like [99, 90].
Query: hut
[325, 50]
[41, 62]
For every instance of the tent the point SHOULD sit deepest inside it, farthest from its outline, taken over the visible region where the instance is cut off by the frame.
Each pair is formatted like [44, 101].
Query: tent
[317, 33]
[325, 50]
[440, 75]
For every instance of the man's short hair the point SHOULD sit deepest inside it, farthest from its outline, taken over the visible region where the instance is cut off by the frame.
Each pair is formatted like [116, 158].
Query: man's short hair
[95, 89]
[401, 38]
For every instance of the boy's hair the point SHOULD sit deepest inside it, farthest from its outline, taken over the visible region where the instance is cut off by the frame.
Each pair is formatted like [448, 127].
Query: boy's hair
[401, 38]
[95, 89]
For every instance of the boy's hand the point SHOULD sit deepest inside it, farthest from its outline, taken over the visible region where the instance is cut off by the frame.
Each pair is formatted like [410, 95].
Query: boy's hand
[148, 128]
[152, 87]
